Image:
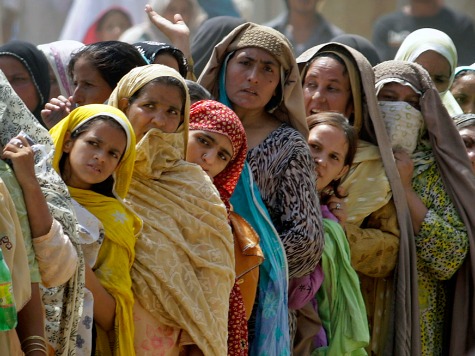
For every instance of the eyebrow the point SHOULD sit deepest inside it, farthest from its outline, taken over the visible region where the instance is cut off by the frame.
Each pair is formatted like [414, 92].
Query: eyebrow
[100, 140]
[269, 61]
[226, 152]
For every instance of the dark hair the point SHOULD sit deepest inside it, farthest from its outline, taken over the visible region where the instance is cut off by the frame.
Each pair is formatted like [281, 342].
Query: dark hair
[113, 59]
[105, 187]
[165, 80]
[341, 122]
[197, 91]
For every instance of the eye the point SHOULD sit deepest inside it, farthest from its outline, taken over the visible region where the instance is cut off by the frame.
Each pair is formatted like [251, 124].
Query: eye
[173, 112]
[222, 156]
[311, 84]
[245, 62]
[203, 141]
[462, 99]
[93, 143]
[335, 157]
[269, 69]
[468, 142]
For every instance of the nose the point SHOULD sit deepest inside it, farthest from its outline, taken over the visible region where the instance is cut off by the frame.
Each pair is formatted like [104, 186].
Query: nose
[209, 157]
[78, 98]
[159, 119]
[253, 75]
[319, 160]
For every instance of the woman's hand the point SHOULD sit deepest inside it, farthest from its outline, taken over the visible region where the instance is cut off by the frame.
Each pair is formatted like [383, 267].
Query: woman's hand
[56, 110]
[338, 207]
[23, 158]
[177, 31]
[405, 167]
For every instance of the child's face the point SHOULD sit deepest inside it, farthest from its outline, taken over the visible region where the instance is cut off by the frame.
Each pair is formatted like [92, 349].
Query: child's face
[211, 150]
[94, 155]
[328, 147]
[158, 106]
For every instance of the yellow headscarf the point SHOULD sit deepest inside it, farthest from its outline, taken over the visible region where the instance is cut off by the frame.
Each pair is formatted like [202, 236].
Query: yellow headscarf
[116, 254]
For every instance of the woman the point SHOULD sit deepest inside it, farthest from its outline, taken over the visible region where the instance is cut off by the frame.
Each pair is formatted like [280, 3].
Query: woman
[253, 71]
[435, 51]
[463, 88]
[338, 78]
[437, 180]
[466, 125]
[63, 301]
[27, 70]
[163, 53]
[185, 224]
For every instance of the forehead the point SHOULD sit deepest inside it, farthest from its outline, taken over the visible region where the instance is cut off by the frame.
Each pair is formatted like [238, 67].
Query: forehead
[257, 54]
[327, 64]
[399, 89]
[10, 63]
[164, 93]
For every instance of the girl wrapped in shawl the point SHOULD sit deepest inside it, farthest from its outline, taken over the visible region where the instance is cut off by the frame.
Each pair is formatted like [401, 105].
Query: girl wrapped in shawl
[63, 298]
[95, 154]
[439, 186]
[254, 72]
[184, 265]
[217, 143]
[378, 225]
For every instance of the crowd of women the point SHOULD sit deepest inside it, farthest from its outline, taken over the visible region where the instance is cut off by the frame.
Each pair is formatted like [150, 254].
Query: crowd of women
[272, 206]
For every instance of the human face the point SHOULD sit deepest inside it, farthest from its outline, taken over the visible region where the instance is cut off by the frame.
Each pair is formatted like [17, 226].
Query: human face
[327, 87]
[167, 60]
[90, 87]
[20, 80]
[182, 7]
[463, 91]
[252, 76]
[211, 150]
[94, 155]
[113, 25]
[328, 147]
[438, 67]
[399, 92]
[158, 106]
[468, 137]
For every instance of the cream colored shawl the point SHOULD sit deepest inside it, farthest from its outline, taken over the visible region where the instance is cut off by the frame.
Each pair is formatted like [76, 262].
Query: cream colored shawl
[404, 326]
[184, 258]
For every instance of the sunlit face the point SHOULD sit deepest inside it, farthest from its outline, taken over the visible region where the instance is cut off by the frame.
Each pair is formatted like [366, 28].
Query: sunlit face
[182, 7]
[167, 60]
[328, 147]
[113, 25]
[399, 92]
[463, 90]
[327, 87]
[158, 106]
[20, 80]
[252, 77]
[94, 155]
[468, 137]
[438, 67]
[90, 87]
[211, 150]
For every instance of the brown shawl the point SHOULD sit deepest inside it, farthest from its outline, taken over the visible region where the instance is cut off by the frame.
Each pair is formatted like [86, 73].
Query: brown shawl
[457, 175]
[405, 338]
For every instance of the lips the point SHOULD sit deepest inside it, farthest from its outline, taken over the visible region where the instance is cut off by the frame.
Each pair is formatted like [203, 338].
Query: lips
[95, 168]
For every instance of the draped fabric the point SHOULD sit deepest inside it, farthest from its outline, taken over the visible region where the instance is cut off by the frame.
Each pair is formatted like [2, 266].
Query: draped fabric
[63, 303]
[459, 183]
[59, 54]
[184, 266]
[116, 254]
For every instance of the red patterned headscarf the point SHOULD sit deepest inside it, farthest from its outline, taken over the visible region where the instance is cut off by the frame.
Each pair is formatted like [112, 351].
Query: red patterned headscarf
[210, 115]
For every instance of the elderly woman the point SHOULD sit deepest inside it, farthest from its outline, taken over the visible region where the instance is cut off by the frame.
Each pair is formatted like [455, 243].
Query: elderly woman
[253, 71]
[439, 186]
[435, 51]
[184, 262]
[338, 78]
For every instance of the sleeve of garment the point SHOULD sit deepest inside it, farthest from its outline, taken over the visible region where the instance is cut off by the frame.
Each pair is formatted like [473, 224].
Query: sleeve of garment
[442, 243]
[374, 246]
[56, 255]
[300, 226]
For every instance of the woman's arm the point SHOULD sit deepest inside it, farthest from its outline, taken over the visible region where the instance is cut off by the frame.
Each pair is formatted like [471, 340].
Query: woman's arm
[104, 303]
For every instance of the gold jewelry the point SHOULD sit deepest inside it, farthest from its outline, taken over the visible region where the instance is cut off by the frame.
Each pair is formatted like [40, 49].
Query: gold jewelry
[30, 351]
[34, 337]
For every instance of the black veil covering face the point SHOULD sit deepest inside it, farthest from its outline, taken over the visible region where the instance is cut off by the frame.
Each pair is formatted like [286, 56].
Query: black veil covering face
[36, 64]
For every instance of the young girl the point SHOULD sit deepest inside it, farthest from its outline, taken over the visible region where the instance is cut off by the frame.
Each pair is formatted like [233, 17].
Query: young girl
[217, 143]
[95, 152]
[333, 143]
